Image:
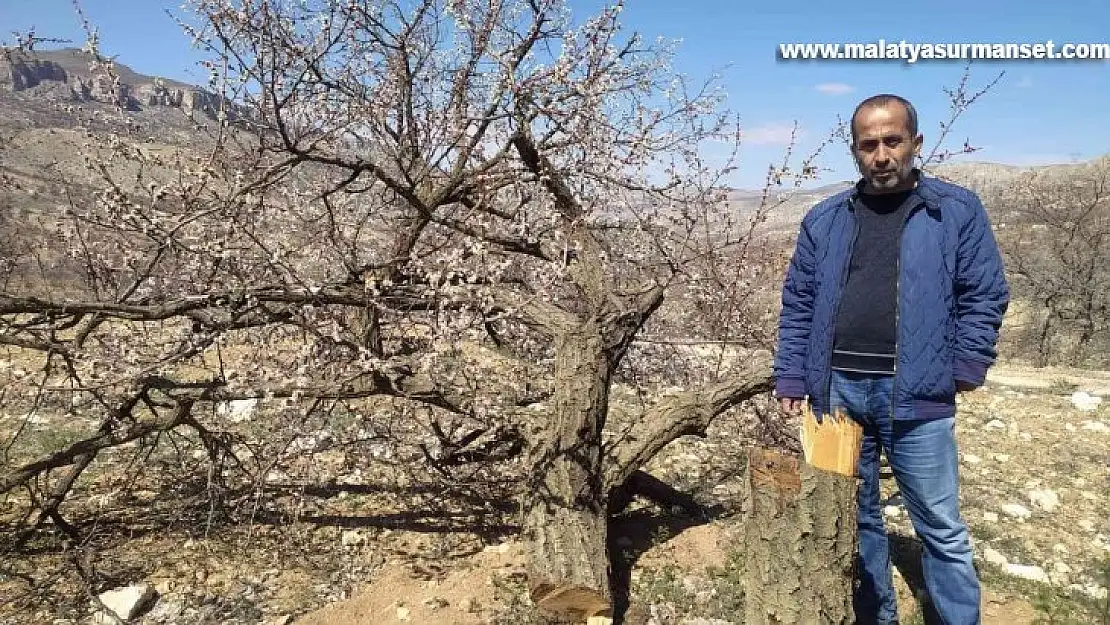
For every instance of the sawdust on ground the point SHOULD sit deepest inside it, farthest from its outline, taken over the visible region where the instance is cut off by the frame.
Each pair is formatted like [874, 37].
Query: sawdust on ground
[400, 594]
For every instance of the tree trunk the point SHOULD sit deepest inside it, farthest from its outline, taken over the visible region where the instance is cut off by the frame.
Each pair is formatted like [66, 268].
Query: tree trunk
[565, 509]
[799, 543]
[573, 476]
[1043, 349]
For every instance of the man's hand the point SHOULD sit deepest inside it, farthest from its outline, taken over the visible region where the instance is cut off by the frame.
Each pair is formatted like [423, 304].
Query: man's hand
[791, 405]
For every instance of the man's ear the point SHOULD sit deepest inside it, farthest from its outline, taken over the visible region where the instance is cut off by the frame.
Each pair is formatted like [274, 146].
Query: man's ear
[918, 141]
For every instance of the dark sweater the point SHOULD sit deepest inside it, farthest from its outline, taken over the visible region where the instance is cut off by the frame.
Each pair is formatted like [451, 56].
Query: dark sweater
[866, 335]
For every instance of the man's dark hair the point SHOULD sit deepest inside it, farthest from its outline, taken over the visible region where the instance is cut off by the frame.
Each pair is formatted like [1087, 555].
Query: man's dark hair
[881, 100]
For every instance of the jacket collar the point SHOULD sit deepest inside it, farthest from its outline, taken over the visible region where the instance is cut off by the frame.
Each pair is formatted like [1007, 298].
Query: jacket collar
[925, 190]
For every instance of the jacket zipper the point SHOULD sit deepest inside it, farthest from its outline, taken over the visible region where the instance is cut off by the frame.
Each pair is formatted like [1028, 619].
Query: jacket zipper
[840, 296]
[898, 326]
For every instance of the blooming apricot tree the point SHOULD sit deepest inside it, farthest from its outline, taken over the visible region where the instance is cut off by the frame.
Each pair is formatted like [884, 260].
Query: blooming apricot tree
[475, 208]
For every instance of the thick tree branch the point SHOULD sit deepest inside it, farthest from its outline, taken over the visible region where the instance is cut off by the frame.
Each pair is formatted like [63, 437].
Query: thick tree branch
[334, 295]
[537, 163]
[687, 413]
[644, 484]
[89, 447]
[396, 381]
[589, 270]
[620, 330]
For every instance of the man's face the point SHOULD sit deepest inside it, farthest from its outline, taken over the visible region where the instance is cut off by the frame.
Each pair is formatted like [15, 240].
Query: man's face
[884, 148]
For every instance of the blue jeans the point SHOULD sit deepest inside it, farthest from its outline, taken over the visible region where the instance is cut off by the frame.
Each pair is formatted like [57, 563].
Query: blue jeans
[923, 457]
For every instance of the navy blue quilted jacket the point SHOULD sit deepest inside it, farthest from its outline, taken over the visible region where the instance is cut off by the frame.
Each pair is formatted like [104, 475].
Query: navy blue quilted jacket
[952, 295]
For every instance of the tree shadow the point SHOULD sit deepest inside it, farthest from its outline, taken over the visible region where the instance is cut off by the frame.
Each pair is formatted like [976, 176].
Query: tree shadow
[453, 510]
[632, 534]
[421, 521]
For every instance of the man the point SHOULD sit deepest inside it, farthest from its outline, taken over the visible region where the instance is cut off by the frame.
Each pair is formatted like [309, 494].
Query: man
[892, 305]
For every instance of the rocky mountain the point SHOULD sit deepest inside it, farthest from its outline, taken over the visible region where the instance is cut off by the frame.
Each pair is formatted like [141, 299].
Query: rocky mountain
[65, 74]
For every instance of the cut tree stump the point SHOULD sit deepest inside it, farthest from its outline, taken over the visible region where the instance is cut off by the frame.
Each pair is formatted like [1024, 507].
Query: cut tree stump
[799, 540]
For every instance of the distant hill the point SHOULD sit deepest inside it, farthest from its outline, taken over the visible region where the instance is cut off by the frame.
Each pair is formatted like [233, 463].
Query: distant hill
[76, 63]
[65, 74]
[36, 89]
[984, 178]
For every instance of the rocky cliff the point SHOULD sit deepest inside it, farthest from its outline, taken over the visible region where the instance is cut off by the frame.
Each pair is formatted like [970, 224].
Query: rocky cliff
[66, 74]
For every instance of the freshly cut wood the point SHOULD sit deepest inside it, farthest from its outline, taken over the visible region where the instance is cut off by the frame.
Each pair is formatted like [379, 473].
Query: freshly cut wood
[833, 444]
[576, 602]
[799, 540]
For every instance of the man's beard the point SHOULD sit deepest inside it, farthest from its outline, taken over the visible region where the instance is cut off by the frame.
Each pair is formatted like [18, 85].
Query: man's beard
[889, 179]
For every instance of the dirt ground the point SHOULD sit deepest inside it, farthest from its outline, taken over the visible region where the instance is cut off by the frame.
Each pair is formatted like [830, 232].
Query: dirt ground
[399, 596]
[1035, 475]
[1013, 375]
[1027, 400]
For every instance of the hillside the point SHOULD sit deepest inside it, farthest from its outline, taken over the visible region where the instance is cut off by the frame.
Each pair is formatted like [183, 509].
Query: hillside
[66, 75]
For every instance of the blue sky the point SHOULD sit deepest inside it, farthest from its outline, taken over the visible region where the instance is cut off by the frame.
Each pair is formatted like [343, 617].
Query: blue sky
[1041, 111]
